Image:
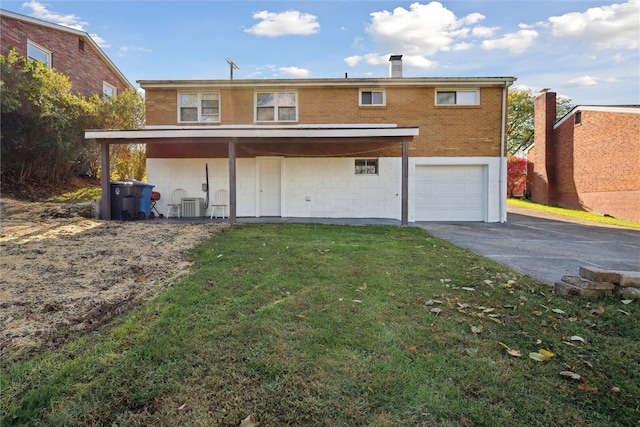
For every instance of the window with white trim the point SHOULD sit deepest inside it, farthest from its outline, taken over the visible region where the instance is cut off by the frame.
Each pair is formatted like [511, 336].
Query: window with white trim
[372, 97]
[196, 107]
[38, 53]
[458, 97]
[366, 167]
[276, 107]
[108, 90]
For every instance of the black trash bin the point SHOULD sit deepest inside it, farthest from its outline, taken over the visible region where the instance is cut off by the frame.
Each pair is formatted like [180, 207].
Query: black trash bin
[125, 200]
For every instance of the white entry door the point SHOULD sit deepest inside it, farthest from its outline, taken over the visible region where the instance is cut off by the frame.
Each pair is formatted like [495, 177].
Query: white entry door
[450, 193]
[269, 181]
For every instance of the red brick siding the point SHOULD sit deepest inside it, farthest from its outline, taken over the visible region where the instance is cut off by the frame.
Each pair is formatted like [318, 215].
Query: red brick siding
[540, 166]
[86, 70]
[444, 131]
[599, 163]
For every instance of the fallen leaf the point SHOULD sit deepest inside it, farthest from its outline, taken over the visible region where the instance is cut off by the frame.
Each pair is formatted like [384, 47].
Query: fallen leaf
[614, 390]
[436, 310]
[468, 289]
[182, 407]
[597, 311]
[476, 329]
[537, 357]
[488, 310]
[546, 353]
[584, 386]
[626, 301]
[413, 349]
[569, 374]
[250, 421]
[557, 310]
[624, 312]
[542, 355]
[356, 300]
[515, 353]
[576, 338]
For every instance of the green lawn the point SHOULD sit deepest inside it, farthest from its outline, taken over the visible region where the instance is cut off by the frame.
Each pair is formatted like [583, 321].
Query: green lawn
[307, 325]
[573, 213]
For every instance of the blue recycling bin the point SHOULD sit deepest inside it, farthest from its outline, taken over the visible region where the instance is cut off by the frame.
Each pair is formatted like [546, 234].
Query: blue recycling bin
[144, 202]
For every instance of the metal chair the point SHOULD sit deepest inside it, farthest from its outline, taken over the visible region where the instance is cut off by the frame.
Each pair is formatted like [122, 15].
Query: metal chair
[174, 207]
[220, 203]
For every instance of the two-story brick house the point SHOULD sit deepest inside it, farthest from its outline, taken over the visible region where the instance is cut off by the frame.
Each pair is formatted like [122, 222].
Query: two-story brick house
[71, 52]
[412, 149]
[588, 160]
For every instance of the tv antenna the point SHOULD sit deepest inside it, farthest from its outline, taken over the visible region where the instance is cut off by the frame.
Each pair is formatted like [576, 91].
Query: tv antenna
[232, 66]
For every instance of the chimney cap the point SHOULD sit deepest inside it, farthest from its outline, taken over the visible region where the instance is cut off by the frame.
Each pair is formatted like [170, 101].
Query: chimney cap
[395, 58]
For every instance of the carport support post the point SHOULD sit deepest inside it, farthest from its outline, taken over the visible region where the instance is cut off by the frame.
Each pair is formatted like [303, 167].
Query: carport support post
[105, 180]
[405, 183]
[232, 182]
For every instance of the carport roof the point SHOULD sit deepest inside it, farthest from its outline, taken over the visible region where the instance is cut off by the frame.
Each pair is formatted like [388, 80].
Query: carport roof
[301, 132]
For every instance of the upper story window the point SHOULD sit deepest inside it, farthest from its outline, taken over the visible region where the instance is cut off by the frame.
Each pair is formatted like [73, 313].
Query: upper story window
[372, 97]
[458, 97]
[108, 90]
[38, 53]
[276, 107]
[199, 107]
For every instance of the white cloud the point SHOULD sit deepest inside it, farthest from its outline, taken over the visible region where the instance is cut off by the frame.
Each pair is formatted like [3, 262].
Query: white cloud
[483, 32]
[605, 27]
[124, 50]
[294, 71]
[516, 43]
[582, 81]
[424, 29]
[284, 23]
[100, 41]
[41, 11]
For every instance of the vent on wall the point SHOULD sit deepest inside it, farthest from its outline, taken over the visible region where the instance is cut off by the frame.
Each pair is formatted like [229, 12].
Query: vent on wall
[193, 207]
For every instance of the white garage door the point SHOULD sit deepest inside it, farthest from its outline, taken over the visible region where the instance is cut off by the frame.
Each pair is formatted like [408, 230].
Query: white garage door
[450, 193]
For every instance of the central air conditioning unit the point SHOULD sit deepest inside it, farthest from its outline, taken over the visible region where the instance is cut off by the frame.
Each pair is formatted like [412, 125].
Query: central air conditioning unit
[192, 207]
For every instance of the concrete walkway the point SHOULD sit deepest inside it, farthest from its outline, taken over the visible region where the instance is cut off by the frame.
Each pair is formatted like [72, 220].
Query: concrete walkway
[544, 245]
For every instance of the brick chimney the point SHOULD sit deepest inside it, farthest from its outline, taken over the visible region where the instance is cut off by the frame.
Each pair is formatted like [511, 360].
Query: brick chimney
[395, 66]
[541, 173]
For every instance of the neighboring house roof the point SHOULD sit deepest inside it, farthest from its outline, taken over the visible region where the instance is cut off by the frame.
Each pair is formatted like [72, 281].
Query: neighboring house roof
[73, 31]
[625, 109]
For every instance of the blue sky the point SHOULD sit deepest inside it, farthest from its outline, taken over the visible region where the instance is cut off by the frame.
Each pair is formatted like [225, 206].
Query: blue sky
[587, 50]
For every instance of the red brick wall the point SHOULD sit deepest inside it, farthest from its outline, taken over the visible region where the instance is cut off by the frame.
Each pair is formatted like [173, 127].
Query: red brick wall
[598, 163]
[540, 159]
[86, 69]
[453, 131]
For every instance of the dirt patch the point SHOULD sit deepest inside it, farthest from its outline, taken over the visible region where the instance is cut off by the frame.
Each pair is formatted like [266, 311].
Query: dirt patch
[63, 274]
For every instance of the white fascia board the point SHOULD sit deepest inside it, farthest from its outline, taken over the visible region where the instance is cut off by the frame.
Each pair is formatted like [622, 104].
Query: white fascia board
[253, 133]
[298, 126]
[348, 82]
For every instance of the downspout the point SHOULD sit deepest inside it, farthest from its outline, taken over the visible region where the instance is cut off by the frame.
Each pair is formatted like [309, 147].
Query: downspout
[502, 188]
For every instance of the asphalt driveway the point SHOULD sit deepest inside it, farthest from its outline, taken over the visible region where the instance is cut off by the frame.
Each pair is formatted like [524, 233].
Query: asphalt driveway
[545, 246]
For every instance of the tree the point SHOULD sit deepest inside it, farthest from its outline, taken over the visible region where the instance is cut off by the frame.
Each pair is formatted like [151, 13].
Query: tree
[43, 125]
[520, 115]
[41, 120]
[516, 176]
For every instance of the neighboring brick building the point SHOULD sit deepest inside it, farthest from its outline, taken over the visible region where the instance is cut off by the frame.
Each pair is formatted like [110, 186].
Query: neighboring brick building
[68, 51]
[413, 149]
[589, 159]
